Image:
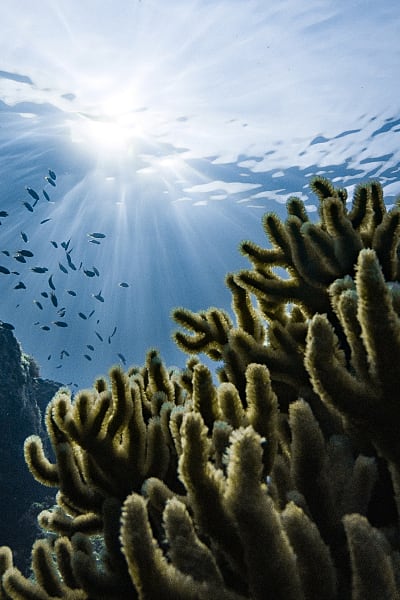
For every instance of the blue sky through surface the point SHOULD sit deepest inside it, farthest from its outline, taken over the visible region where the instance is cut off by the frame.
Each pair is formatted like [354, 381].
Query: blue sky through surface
[171, 128]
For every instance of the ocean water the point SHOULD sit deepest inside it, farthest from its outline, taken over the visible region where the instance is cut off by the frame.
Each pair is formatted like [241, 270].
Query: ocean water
[169, 128]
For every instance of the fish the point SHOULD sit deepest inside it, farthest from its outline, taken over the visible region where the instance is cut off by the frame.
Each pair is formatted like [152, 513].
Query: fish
[87, 357]
[123, 284]
[53, 299]
[52, 175]
[98, 297]
[26, 253]
[44, 294]
[97, 235]
[94, 241]
[24, 237]
[122, 357]
[44, 221]
[54, 243]
[65, 244]
[32, 193]
[7, 326]
[50, 181]
[62, 268]
[20, 286]
[90, 347]
[39, 269]
[70, 263]
[60, 323]
[20, 258]
[96, 271]
[71, 292]
[15, 272]
[113, 332]
[6, 252]
[91, 313]
[45, 328]
[38, 304]
[45, 194]
[89, 273]
[3, 213]
[28, 206]
[99, 336]
[82, 316]
[4, 270]
[61, 312]
[63, 353]
[49, 357]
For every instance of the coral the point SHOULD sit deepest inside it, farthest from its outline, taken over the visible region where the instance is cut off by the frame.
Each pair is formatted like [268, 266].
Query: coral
[282, 479]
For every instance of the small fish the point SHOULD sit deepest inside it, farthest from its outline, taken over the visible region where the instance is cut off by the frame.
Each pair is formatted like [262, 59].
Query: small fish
[51, 284]
[89, 273]
[45, 194]
[28, 206]
[63, 353]
[61, 312]
[44, 221]
[99, 336]
[32, 193]
[38, 304]
[26, 253]
[53, 299]
[44, 294]
[70, 263]
[91, 313]
[6, 252]
[45, 328]
[39, 269]
[49, 356]
[97, 235]
[24, 237]
[95, 242]
[4, 270]
[71, 292]
[87, 357]
[82, 316]
[7, 326]
[15, 272]
[60, 323]
[54, 243]
[98, 297]
[20, 258]
[20, 286]
[90, 347]
[50, 181]
[96, 271]
[52, 175]
[122, 357]
[123, 284]
[3, 213]
[62, 268]
[113, 332]
[65, 244]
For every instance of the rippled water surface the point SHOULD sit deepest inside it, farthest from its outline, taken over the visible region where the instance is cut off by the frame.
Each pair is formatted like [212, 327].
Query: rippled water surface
[170, 128]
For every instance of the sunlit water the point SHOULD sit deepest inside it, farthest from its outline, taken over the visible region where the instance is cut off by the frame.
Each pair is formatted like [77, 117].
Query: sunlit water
[171, 128]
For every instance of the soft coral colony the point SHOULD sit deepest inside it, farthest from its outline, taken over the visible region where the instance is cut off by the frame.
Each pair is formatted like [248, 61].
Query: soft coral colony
[282, 481]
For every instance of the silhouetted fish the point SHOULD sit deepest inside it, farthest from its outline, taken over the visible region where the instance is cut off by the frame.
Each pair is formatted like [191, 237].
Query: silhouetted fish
[28, 206]
[50, 181]
[89, 273]
[87, 357]
[44, 221]
[90, 347]
[45, 328]
[62, 268]
[26, 253]
[54, 243]
[82, 316]
[51, 284]
[60, 323]
[123, 284]
[122, 357]
[53, 299]
[44, 294]
[3, 213]
[32, 193]
[20, 286]
[6, 252]
[45, 194]
[99, 336]
[96, 271]
[65, 244]
[114, 332]
[70, 263]
[4, 270]
[24, 237]
[97, 235]
[39, 269]
[98, 297]
[61, 312]
[71, 292]
[91, 313]
[20, 258]
[52, 175]
[38, 304]
[94, 241]
[63, 353]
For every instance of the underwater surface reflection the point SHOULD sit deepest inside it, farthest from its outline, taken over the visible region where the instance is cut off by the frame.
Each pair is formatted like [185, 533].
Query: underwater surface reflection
[167, 144]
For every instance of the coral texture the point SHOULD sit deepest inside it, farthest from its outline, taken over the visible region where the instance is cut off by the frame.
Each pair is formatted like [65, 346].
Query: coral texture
[280, 481]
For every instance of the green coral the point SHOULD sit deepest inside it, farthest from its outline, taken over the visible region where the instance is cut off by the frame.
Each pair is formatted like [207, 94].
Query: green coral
[267, 483]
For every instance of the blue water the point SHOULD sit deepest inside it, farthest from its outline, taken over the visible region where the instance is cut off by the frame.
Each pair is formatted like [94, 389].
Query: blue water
[171, 130]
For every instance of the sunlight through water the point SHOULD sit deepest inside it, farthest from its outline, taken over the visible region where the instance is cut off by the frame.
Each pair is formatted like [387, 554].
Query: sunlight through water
[170, 128]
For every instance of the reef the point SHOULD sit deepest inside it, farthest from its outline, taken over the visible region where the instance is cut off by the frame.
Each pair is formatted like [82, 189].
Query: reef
[276, 477]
